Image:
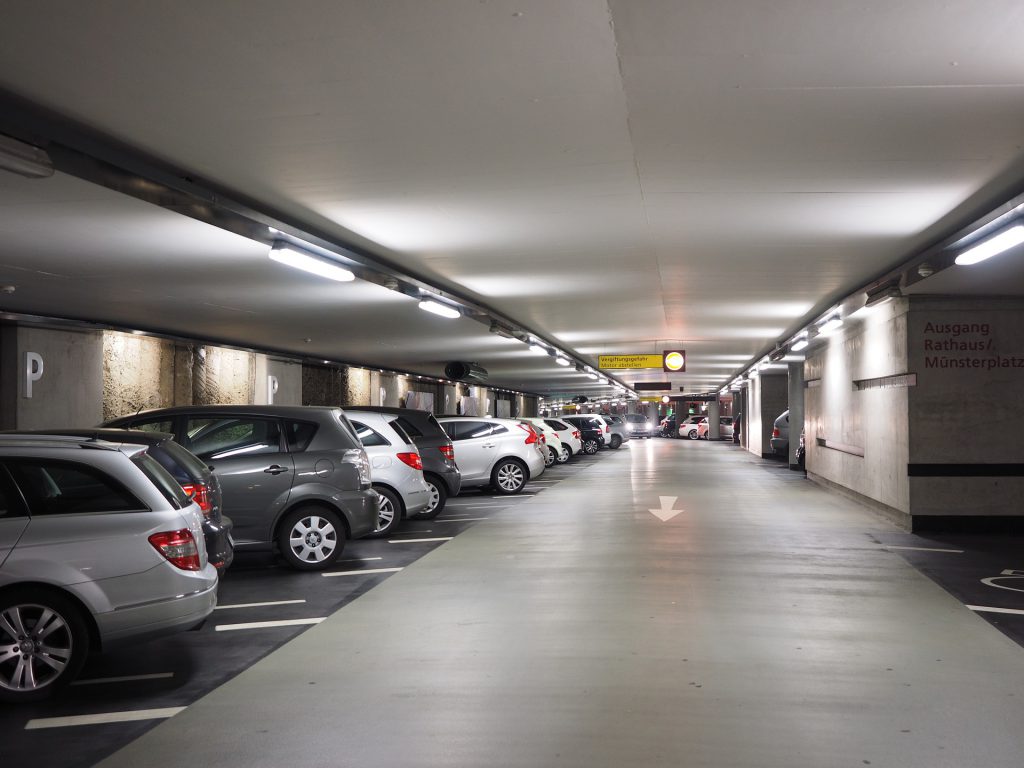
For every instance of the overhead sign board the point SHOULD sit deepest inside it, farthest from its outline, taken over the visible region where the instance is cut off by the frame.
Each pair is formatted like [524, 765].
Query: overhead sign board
[674, 360]
[704, 397]
[650, 399]
[627, 362]
[652, 386]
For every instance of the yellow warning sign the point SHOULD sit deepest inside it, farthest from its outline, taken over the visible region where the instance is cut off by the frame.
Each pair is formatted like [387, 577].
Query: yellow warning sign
[629, 362]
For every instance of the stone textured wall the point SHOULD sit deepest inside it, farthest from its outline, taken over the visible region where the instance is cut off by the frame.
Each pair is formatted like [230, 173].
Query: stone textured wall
[356, 387]
[222, 376]
[322, 385]
[138, 374]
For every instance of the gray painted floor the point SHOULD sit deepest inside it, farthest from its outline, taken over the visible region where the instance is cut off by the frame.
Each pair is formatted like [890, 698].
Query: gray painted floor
[760, 627]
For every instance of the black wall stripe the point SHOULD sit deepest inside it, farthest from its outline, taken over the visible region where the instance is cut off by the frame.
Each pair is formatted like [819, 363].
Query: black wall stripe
[965, 470]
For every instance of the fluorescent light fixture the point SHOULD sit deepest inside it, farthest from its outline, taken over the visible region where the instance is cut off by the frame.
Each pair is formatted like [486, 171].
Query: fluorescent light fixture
[562, 360]
[593, 376]
[1004, 241]
[24, 159]
[283, 253]
[437, 308]
[799, 344]
[538, 349]
[830, 326]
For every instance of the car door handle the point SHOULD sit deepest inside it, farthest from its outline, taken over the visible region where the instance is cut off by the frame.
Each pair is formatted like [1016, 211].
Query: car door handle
[275, 469]
[489, 445]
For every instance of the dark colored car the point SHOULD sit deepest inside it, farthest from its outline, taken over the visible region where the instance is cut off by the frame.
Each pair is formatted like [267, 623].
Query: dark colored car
[192, 475]
[292, 477]
[436, 451]
[591, 432]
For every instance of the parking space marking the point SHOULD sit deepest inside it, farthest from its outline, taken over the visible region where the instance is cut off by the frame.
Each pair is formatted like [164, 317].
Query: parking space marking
[924, 549]
[102, 718]
[486, 506]
[364, 572]
[418, 541]
[989, 609]
[360, 559]
[461, 519]
[412, 533]
[266, 624]
[124, 679]
[257, 605]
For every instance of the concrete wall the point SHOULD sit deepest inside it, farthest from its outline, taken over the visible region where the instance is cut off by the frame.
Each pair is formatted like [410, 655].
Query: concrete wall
[857, 439]
[767, 397]
[139, 373]
[966, 412]
[69, 393]
[287, 375]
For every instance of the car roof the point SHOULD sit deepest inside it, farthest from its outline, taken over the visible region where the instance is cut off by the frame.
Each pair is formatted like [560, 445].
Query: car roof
[50, 440]
[389, 409]
[108, 434]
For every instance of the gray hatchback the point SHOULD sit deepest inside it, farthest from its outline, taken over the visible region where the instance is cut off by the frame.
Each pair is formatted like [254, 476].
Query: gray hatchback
[291, 476]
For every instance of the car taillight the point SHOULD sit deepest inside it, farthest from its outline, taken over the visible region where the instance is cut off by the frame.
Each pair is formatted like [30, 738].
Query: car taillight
[531, 436]
[412, 459]
[448, 451]
[607, 429]
[775, 432]
[576, 434]
[179, 547]
[200, 494]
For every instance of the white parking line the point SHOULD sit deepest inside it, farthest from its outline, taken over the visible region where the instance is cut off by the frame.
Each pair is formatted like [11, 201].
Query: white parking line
[461, 519]
[362, 573]
[102, 718]
[987, 609]
[266, 624]
[417, 541]
[412, 533]
[925, 549]
[258, 605]
[124, 679]
[360, 560]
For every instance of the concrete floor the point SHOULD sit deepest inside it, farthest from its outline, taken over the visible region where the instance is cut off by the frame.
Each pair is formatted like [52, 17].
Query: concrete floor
[762, 627]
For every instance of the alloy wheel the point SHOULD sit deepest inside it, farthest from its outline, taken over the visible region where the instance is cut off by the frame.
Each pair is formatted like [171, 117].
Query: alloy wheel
[36, 646]
[510, 477]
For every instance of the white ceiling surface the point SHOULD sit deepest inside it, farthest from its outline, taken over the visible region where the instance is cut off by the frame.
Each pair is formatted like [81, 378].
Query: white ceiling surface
[621, 176]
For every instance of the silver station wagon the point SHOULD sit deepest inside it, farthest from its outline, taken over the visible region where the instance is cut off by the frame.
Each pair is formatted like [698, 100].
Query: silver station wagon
[98, 545]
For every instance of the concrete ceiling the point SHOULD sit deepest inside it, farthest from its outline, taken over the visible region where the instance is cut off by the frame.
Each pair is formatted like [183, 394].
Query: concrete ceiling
[619, 177]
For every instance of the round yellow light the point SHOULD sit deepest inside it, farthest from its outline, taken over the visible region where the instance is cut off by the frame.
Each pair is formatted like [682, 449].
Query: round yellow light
[674, 361]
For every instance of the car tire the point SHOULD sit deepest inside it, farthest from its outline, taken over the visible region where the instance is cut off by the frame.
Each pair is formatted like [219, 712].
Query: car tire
[311, 538]
[564, 455]
[509, 476]
[590, 447]
[389, 517]
[692, 434]
[438, 498]
[550, 457]
[51, 655]
[616, 441]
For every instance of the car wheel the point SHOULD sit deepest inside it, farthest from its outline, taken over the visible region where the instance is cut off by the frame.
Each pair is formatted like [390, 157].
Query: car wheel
[438, 497]
[692, 434]
[550, 457]
[616, 442]
[564, 455]
[311, 538]
[43, 644]
[508, 476]
[390, 515]
[590, 447]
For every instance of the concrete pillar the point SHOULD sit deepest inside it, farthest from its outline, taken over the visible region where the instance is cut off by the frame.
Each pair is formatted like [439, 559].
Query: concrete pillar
[714, 428]
[796, 410]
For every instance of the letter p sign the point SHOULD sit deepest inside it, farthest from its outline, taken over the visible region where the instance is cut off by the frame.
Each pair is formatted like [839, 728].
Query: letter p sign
[272, 386]
[33, 370]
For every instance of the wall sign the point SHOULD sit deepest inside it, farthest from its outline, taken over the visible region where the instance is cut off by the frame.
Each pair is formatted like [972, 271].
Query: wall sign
[272, 386]
[33, 370]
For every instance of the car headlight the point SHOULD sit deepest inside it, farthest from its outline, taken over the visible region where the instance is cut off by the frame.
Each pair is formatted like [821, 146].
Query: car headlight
[629, 426]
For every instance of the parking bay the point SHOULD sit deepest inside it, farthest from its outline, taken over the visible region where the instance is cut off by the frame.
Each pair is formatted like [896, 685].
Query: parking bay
[262, 604]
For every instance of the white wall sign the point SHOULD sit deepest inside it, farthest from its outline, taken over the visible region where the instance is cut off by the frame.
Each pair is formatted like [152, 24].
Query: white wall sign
[272, 387]
[33, 370]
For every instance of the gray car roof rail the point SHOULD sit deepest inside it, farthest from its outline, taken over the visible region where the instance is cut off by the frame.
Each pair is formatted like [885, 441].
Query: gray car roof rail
[250, 410]
[55, 440]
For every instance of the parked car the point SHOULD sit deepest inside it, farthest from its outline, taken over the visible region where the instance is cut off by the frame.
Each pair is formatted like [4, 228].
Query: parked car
[440, 471]
[98, 545]
[689, 426]
[314, 488]
[503, 454]
[780, 434]
[569, 436]
[552, 442]
[188, 470]
[724, 428]
[639, 425]
[395, 468]
[591, 432]
[618, 431]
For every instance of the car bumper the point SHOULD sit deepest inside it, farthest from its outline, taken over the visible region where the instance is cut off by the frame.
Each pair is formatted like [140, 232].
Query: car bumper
[361, 510]
[452, 481]
[220, 547]
[780, 446]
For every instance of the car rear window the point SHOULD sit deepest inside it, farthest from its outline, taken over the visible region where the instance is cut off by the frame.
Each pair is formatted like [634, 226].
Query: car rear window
[402, 433]
[300, 435]
[65, 487]
[186, 460]
[410, 429]
[368, 436]
[161, 478]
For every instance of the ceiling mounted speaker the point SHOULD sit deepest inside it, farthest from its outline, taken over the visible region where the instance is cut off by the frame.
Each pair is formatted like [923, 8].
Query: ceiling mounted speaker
[465, 372]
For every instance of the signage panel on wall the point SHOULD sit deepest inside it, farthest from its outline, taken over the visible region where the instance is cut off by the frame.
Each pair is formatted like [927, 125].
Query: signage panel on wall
[628, 362]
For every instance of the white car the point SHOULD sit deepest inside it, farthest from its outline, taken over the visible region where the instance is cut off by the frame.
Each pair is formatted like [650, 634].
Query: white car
[552, 442]
[396, 469]
[501, 453]
[690, 426]
[570, 437]
[724, 427]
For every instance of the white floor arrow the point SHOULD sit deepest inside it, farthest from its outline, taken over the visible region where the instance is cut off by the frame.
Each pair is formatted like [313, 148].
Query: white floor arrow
[666, 512]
